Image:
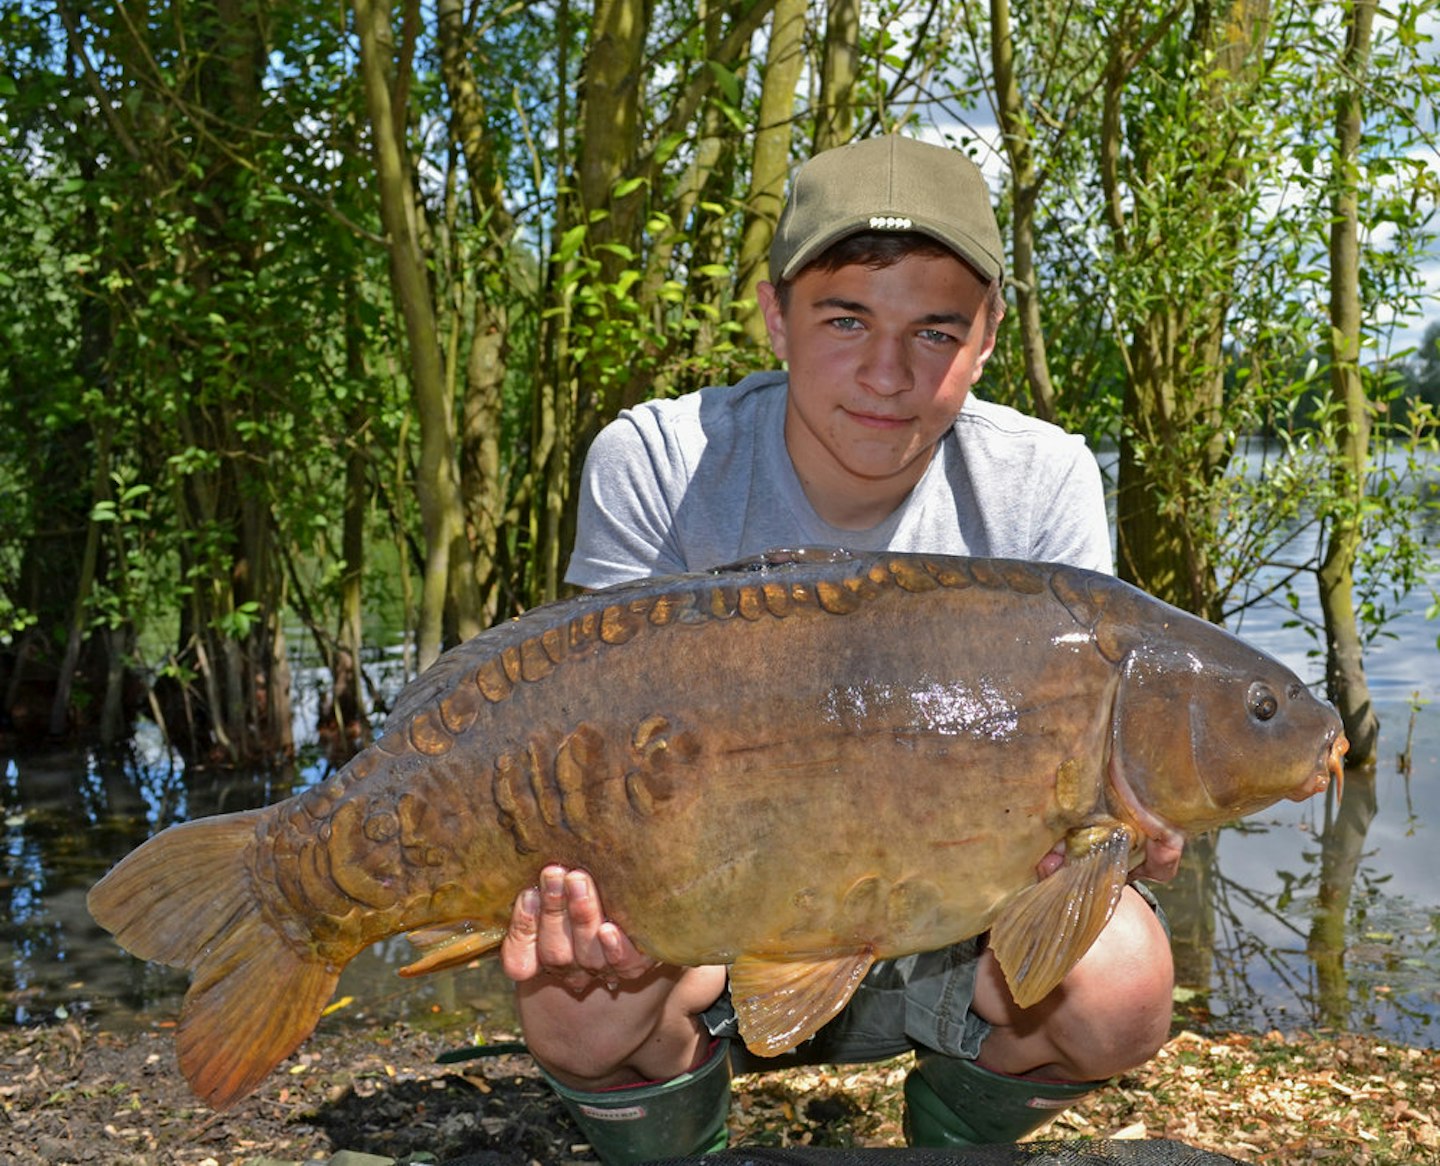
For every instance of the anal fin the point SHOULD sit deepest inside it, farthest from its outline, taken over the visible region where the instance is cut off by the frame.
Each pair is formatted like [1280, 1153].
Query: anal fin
[782, 1002]
[1045, 930]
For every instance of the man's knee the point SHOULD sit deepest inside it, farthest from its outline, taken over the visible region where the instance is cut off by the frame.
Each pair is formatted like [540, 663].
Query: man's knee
[1124, 991]
[1110, 1014]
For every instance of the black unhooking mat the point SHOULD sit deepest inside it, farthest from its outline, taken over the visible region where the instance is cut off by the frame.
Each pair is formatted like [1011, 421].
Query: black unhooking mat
[1072, 1153]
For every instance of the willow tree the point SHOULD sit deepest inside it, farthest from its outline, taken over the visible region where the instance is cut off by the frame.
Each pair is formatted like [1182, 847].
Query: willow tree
[608, 346]
[54, 353]
[1017, 138]
[594, 265]
[195, 352]
[448, 580]
[483, 269]
[1177, 148]
[770, 159]
[839, 65]
[1345, 669]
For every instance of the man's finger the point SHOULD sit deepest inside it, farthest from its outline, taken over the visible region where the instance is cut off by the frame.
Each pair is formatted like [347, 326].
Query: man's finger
[518, 956]
[554, 943]
[624, 959]
[583, 902]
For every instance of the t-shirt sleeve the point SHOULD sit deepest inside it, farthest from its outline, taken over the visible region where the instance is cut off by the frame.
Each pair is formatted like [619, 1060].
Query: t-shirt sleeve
[625, 529]
[1072, 525]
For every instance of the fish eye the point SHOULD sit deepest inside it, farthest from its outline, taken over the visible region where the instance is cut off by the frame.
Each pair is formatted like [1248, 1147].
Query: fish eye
[1262, 702]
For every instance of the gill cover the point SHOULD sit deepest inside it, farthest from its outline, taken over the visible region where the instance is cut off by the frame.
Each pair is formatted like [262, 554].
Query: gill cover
[1199, 745]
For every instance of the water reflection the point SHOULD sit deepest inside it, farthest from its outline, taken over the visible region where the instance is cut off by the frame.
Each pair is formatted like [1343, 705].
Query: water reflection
[1296, 923]
[1342, 844]
[70, 814]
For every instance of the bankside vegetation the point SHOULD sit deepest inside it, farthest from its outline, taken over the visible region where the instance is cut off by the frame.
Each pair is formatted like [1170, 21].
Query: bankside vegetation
[310, 310]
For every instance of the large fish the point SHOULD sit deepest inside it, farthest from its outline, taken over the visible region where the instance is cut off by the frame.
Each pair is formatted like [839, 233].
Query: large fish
[791, 767]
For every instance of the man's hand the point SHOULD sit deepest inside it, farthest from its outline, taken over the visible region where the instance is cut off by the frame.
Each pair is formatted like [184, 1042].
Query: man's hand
[1161, 861]
[559, 930]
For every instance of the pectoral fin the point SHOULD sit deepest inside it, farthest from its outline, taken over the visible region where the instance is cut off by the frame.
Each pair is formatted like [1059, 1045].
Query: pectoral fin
[1043, 933]
[451, 946]
[781, 1002]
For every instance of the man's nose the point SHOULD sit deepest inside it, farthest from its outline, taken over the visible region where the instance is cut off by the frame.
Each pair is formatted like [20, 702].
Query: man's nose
[886, 369]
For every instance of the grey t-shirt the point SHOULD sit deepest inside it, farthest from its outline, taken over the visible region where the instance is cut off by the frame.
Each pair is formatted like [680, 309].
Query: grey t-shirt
[705, 480]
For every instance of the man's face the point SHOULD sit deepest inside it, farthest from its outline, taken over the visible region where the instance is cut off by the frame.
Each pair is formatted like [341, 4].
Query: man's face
[880, 362]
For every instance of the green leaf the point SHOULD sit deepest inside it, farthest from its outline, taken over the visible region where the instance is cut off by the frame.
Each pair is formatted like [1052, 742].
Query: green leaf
[728, 81]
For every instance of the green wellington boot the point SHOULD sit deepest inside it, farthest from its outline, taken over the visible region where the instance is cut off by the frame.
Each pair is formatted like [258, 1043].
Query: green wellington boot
[665, 1119]
[950, 1102]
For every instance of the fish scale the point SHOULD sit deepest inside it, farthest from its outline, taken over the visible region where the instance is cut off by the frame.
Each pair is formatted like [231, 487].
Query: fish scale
[794, 766]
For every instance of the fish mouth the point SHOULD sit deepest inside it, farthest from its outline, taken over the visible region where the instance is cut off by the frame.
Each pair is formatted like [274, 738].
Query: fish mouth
[1331, 768]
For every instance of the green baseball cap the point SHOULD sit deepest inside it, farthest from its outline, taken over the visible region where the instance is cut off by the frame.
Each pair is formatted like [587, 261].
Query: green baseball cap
[889, 183]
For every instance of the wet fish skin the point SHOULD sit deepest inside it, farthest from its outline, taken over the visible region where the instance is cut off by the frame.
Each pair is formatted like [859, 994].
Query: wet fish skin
[792, 767]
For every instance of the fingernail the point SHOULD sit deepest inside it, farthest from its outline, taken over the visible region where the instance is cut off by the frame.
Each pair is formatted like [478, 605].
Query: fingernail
[578, 886]
[530, 901]
[552, 881]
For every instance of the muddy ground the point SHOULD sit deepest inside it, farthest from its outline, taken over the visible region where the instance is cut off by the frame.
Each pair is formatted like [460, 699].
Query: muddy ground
[71, 1094]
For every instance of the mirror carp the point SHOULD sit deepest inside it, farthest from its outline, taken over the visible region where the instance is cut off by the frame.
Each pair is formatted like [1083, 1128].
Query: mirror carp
[793, 766]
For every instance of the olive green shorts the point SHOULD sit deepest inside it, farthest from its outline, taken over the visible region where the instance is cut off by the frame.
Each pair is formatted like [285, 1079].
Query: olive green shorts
[916, 1001]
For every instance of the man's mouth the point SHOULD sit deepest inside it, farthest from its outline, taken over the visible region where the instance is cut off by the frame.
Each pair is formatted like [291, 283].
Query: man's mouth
[877, 420]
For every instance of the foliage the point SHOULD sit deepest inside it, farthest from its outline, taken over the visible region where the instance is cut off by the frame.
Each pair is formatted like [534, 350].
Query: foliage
[208, 381]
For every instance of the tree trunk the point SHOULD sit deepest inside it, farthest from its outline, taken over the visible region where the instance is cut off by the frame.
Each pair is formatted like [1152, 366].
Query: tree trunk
[606, 222]
[232, 632]
[1024, 195]
[347, 720]
[1342, 847]
[482, 486]
[1345, 671]
[448, 578]
[1173, 446]
[839, 66]
[608, 150]
[694, 219]
[770, 167]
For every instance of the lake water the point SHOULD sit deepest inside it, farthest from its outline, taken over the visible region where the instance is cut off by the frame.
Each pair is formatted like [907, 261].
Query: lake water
[1309, 916]
[1323, 914]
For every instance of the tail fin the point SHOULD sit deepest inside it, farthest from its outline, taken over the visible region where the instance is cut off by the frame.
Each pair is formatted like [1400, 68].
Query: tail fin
[185, 899]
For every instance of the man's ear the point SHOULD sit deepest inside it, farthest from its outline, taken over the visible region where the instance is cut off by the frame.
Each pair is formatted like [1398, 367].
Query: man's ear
[774, 315]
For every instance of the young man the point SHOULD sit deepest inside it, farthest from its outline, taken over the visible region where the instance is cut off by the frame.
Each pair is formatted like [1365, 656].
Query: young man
[887, 266]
